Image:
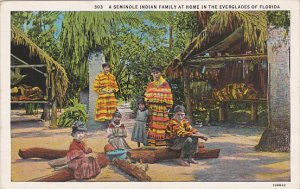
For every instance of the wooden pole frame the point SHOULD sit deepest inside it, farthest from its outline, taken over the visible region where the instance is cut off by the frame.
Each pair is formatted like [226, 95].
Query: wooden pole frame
[187, 92]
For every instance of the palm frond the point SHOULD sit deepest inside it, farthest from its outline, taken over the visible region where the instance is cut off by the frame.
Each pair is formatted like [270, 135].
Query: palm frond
[90, 30]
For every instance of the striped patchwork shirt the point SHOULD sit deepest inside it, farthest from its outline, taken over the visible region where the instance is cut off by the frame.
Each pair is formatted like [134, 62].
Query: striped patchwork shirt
[176, 129]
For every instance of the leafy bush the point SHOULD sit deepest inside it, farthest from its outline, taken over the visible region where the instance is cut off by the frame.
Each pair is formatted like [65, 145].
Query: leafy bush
[77, 111]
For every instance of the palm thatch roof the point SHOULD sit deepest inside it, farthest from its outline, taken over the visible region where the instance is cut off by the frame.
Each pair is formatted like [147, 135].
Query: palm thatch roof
[19, 40]
[230, 33]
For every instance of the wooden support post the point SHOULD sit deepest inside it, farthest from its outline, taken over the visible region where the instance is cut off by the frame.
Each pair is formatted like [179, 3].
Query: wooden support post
[53, 123]
[253, 111]
[187, 92]
[222, 112]
[46, 112]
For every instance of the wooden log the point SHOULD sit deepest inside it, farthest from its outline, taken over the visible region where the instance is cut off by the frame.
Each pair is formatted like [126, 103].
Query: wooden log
[207, 154]
[67, 174]
[58, 162]
[139, 154]
[136, 155]
[152, 156]
[132, 170]
[42, 153]
[58, 176]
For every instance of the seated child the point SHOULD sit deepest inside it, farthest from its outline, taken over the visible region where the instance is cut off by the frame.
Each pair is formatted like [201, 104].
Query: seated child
[139, 132]
[84, 166]
[183, 137]
[116, 133]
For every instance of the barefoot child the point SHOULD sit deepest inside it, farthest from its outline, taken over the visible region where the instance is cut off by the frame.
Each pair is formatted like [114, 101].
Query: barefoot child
[183, 137]
[116, 133]
[139, 133]
[79, 157]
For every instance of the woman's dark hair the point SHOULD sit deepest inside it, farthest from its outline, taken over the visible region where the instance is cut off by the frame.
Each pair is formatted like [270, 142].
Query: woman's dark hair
[105, 65]
[155, 69]
[141, 101]
[179, 108]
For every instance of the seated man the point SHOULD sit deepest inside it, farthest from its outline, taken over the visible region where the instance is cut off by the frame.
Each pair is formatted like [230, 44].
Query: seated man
[183, 137]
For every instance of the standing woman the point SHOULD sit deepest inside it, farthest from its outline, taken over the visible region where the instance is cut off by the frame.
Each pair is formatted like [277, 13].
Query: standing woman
[105, 85]
[159, 99]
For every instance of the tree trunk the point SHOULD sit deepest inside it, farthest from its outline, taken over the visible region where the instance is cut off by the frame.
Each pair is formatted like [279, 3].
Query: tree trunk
[43, 153]
[136, 155]
[53, 124]
[277, 135]
[171, 37]
[58, 176]
[132, 170]
[67, 174]
[46, 111]
[156, 155]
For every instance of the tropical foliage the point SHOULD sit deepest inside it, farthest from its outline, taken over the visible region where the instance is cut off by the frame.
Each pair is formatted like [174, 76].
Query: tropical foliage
[76, 112]
[134, 41]
[91, 29]
[41, 28]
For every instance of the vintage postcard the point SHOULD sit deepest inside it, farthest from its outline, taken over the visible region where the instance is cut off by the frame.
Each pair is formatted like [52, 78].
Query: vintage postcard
[150, 94]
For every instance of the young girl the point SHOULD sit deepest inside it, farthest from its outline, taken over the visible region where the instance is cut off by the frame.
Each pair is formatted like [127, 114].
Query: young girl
[116, 133]
[139, 133]
[79, 157]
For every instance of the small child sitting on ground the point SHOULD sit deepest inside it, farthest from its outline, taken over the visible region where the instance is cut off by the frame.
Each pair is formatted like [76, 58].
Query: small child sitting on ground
[116, 133]
[80, 158]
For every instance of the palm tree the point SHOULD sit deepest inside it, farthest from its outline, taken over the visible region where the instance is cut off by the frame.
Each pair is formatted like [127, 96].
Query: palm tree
[84, 31]
[276, 137]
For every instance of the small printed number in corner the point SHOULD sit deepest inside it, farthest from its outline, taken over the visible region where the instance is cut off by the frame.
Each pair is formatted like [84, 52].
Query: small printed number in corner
[279, 185]
[98, 6]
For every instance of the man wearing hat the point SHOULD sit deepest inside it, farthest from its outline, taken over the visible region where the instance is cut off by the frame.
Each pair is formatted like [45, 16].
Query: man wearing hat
[105, 85]
[159, 99]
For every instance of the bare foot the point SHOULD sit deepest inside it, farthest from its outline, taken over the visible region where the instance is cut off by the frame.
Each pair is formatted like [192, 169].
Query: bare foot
[191, 160]
[182, 162]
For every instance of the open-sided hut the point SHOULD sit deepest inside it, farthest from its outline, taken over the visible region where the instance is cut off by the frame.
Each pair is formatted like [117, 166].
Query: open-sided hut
[35, 76]
[221, 68]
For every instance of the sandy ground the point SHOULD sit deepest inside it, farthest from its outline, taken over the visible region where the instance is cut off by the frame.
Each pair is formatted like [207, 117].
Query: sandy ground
[238, 161]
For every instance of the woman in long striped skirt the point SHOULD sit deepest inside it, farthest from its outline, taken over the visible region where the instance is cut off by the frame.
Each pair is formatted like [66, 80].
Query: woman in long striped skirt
[105, 85]
[159, 99]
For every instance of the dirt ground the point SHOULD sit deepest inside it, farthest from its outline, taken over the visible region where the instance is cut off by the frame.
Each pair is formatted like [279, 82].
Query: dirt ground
[238, 161]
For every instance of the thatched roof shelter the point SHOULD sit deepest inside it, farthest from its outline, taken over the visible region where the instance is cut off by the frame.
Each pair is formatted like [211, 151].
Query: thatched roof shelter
[226, 58]
[23, 48]
[231, 47]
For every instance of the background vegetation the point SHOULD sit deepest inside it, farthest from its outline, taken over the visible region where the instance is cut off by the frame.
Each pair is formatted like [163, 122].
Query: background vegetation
[134, 41]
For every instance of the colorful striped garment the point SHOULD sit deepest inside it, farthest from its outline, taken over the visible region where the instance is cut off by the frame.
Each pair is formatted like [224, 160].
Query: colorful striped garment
[106, 104]
[177, 129]
[158, 98]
